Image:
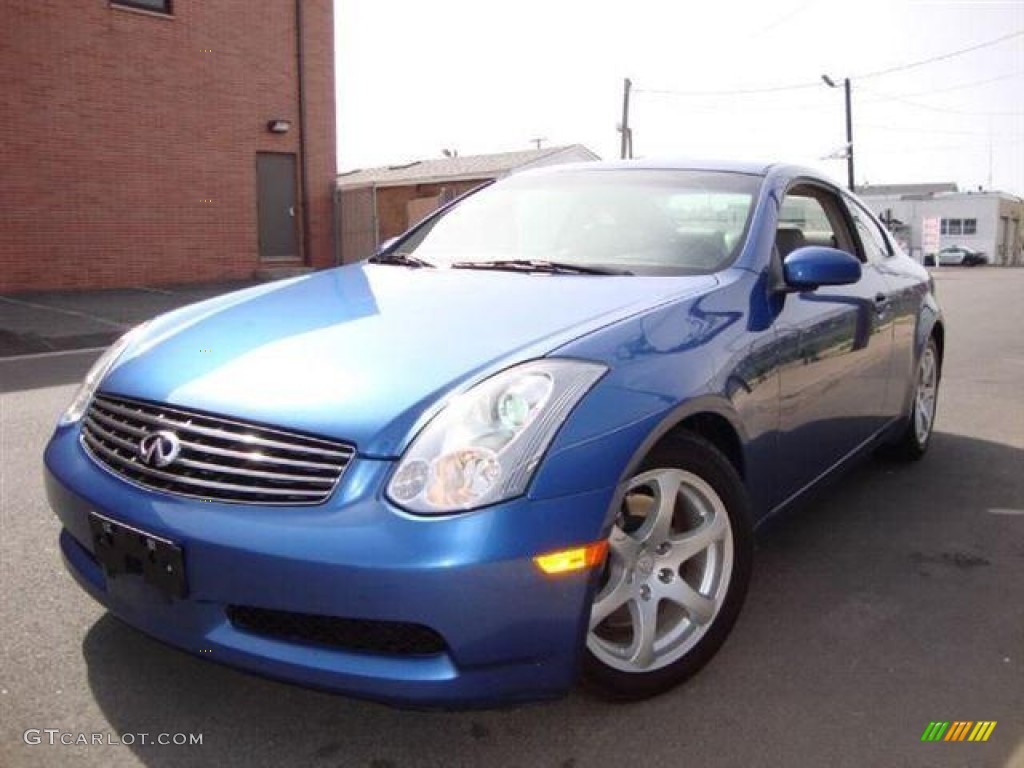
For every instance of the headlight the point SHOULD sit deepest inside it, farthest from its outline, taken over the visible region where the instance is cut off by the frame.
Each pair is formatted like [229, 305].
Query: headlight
[93, 378]
[487, 442]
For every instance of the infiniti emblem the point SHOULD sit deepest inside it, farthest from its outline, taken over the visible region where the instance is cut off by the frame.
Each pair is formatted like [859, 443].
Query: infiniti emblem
[158, 449]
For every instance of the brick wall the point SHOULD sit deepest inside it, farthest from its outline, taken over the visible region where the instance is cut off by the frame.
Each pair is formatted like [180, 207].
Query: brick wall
[130, 139]
[321, 133]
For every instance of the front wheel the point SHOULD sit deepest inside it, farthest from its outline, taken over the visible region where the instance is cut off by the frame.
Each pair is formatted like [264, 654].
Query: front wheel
[678, 566]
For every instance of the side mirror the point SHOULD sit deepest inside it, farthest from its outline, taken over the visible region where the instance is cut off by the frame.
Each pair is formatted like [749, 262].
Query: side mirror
[812, 266]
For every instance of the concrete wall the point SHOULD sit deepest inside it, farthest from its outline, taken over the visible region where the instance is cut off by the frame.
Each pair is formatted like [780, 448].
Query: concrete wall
[130, 141]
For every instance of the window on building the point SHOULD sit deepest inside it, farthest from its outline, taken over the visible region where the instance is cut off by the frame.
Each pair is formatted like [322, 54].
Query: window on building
[159, 6]
[952, 226]
[970, 226]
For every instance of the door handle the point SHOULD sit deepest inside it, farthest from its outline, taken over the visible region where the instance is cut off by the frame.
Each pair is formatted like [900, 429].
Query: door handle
[291, 211]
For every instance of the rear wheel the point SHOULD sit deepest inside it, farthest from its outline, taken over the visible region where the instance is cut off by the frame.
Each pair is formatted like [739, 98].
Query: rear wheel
[677, 570]
[913, 442]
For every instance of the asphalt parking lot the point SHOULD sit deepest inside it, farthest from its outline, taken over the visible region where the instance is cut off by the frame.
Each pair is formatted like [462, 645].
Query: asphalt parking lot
[893, 600]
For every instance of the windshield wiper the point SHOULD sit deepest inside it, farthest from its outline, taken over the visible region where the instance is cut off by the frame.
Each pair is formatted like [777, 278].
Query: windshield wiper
[399, 258]
[539, 265]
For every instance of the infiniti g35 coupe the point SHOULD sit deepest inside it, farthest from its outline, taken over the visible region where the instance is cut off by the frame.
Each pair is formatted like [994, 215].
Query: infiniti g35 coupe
[528, 441]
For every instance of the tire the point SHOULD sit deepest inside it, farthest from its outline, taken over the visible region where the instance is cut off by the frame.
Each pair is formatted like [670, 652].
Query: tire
[678, 566]
[912, 444]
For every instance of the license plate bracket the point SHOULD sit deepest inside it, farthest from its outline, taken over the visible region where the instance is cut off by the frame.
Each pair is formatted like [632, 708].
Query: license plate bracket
[124, 550]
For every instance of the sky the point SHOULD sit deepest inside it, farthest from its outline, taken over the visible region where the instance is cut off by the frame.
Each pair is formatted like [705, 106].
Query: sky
[414, 78]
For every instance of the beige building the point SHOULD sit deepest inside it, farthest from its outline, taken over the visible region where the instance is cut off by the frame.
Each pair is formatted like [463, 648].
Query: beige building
[377, 204]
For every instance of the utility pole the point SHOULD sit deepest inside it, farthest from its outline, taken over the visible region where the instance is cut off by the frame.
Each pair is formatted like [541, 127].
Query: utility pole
[989, 152]
[849, 135]
[849, 127]
[626, 147]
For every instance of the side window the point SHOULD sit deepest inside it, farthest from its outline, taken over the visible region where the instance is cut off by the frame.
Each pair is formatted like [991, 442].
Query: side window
[873, 242]
[811, 215]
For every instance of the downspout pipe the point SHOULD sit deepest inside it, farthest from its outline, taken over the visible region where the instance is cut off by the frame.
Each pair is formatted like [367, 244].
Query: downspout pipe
[304, 166]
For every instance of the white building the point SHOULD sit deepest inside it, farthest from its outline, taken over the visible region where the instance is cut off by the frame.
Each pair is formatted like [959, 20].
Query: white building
[984, 220]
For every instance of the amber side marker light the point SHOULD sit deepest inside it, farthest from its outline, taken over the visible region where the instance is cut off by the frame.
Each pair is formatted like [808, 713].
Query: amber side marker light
[572, 559]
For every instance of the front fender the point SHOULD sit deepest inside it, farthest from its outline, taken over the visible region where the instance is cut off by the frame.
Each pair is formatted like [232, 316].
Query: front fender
[664, 367]
[609, 460]
[667, 423]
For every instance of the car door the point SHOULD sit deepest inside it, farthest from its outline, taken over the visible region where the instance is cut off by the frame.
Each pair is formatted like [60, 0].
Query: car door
[904, 291]
[835, 342]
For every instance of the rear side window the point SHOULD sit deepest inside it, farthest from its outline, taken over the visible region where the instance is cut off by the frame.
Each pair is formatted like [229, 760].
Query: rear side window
[873, 243]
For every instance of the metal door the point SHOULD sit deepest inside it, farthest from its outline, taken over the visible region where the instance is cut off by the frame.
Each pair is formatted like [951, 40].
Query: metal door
[275, 182]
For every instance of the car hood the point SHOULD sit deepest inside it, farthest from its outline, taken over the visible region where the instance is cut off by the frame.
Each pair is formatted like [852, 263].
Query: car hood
[364, 352]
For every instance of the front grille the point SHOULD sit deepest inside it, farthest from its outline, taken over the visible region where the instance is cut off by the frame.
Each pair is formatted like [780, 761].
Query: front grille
[220, 459]
[390, 637]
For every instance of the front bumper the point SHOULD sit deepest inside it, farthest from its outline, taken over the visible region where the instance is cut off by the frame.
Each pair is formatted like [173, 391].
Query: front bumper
[511, 633]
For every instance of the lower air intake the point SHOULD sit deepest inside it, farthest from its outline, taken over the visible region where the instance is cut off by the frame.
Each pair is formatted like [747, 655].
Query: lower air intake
[394, 638]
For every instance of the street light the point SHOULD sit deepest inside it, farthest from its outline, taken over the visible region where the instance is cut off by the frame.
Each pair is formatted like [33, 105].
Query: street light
[849, 127]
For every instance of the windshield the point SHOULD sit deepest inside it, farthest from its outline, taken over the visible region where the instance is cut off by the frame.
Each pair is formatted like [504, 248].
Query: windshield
[653, 222]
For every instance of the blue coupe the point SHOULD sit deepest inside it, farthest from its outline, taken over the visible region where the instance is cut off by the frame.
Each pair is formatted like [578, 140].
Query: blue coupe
[528, 441]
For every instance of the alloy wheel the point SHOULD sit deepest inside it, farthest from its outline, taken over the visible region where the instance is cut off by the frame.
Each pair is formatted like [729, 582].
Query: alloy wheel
[925, 396]
[669, 565]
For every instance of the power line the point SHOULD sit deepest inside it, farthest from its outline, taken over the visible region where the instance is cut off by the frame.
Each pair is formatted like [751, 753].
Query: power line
[948, 110]
[940, 57]
[943, 148]
[735, 92]
[817, 84]
[877, 97]
[936, 131]
[778, 22]
[886, 97]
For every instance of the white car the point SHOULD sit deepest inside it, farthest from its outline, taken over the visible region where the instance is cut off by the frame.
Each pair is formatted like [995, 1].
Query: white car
[961, 256]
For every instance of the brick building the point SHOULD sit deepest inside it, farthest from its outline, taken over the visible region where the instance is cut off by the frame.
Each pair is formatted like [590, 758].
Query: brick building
[164, 141]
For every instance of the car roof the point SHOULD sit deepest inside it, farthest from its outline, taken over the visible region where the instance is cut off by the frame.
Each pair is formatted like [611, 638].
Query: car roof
[689, 164]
